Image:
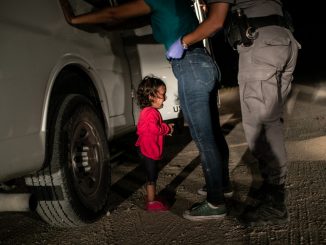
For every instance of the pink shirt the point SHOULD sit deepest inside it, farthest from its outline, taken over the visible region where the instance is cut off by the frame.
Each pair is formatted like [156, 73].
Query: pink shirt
[151, 131]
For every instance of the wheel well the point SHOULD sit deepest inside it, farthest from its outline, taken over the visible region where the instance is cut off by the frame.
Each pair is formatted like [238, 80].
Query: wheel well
[72, 79]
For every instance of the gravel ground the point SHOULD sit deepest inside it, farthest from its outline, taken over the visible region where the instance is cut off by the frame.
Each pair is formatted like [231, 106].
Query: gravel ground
[181, 176]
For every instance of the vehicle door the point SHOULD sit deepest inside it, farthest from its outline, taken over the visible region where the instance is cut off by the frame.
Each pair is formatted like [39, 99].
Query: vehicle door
[112, 67]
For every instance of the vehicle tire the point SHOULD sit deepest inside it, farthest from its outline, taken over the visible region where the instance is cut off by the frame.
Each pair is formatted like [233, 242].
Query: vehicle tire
[73, 188]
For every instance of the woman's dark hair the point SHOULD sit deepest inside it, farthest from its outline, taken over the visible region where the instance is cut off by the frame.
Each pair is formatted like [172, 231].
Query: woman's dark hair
[148, 87]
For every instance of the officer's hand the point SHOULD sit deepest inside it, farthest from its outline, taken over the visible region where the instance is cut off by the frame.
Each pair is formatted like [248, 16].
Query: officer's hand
[176, 50]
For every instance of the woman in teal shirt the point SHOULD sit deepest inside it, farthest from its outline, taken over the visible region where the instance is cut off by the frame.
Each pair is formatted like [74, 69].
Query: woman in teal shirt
[197, 76]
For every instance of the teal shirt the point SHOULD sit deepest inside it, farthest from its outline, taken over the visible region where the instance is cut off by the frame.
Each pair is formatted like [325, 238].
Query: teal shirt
[171, 19]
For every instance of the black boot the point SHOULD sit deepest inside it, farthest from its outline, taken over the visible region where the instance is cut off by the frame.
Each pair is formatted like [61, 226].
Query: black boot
[270, 209]
[256, 196]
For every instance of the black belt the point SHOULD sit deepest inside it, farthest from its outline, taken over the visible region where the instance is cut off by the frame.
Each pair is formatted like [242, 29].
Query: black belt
[270, 20]
[196, 45]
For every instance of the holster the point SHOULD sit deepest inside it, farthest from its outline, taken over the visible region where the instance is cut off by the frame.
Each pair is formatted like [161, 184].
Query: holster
[237, 27]
[239, 31]
[232, 31]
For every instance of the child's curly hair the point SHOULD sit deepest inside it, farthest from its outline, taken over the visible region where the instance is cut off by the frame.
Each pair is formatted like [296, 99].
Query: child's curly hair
[148, 87]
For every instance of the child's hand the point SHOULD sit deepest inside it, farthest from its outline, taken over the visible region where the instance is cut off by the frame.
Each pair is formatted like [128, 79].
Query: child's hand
[171, 125]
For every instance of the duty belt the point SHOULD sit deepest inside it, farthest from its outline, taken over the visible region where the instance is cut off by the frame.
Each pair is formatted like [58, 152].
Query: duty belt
[270, 20]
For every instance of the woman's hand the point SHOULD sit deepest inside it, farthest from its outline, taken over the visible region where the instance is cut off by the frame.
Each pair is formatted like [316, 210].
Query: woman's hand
[176, 50]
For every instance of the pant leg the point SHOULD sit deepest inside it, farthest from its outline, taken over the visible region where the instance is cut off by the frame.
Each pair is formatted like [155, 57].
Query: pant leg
[220, 139]
[265, 75]
[197, 77]
[150, 166]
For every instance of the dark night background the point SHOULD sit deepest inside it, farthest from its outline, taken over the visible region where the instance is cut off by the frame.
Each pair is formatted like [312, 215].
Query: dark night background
[308, 21]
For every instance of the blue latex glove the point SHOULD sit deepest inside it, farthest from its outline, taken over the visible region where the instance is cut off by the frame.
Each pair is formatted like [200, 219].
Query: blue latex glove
[175, 51]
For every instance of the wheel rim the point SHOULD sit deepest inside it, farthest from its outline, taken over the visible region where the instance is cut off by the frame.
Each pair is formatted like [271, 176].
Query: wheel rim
[87, 160]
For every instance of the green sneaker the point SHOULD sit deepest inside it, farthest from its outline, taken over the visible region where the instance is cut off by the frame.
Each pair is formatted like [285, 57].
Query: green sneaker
[204, 211]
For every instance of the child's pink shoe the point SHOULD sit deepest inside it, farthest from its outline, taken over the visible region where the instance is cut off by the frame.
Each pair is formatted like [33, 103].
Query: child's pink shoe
[156, 206]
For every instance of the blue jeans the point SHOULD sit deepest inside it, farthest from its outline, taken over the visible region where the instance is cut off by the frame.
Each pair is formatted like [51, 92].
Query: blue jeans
[198, 76]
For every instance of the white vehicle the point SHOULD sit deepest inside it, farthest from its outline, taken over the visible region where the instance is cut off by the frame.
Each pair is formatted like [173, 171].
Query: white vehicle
[65, 94]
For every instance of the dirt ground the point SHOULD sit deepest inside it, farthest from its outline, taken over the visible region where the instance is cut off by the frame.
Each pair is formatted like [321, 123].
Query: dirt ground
[181, 176]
